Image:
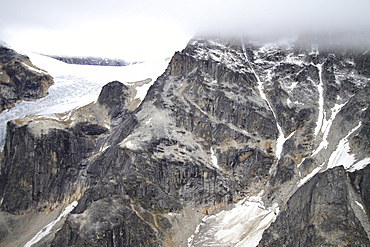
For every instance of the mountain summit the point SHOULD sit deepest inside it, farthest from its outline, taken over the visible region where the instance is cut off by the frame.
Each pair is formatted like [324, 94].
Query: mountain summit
[237, 143]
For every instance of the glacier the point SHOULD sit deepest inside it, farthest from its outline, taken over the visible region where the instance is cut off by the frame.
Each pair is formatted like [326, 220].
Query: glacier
[79, 85]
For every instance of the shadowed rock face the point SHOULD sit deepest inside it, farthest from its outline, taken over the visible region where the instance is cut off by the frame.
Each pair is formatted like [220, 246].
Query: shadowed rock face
[320, 213]
[20, 79]
[227, 120]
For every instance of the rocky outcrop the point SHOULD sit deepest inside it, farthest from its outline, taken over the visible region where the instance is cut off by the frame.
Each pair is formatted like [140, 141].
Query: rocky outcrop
[320, 213]
[91, 61]
[45, 158]
[118, 225]
[20, 79]
[230, 124]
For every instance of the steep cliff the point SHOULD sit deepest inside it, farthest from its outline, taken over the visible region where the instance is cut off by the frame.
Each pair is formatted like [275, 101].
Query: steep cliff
[324, 212]
[20, 79]
[232, 136]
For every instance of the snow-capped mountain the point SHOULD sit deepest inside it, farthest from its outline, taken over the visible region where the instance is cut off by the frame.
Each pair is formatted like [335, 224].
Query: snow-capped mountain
[237, 143]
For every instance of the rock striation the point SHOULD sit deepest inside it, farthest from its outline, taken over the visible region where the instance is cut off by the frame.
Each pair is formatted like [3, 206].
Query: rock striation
[20, 79]
[322, 212]
[233, 137]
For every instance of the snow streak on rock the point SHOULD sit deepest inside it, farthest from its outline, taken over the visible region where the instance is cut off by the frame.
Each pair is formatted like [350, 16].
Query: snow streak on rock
[326, 126]
[309, 176]
[321, 101]
[214, 159]
[46, 230]
[281, 139]
[341, 155]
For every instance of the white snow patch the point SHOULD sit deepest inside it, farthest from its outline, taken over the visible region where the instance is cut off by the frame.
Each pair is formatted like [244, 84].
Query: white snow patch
[357, 165]
[190, 240]
[361, 206]
[214, 159]
[46, 230]
[280, 142]
[34, 69]
[103, 148]
[219, 52]
[326, 126]
[173, 214]
[341, 155]
[301, 164]
[129, 144]
[309, 176]
[314, 49]
[269, 75]
[241, 226]
[147, 122]
[143, 90]
[290, 88]
[291, 59]
[321, 101]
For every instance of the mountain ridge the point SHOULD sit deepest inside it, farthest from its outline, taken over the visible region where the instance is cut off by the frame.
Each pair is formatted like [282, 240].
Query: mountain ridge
[230, 125]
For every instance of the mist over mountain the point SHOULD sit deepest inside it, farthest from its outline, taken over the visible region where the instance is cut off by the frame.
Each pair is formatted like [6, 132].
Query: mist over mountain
[142, 30]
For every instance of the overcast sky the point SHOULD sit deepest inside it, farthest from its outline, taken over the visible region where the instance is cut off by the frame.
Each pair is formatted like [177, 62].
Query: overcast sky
[144, 29]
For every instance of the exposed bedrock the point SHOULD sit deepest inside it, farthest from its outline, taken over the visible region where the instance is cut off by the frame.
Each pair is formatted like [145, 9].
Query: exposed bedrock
[229, 120]
[20, 79]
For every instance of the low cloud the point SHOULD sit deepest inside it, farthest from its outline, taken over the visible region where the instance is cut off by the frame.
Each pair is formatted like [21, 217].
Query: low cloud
[144, 28]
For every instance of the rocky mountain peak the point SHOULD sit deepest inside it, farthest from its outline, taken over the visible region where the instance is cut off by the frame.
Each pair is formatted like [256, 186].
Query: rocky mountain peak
[234, 138]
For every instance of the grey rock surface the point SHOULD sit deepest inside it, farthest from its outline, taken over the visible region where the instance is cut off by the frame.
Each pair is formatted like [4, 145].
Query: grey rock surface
[228, 120]
[20, 79]
[319, 214]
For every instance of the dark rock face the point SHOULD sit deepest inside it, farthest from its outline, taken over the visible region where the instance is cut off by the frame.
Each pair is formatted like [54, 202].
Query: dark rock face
[120, 227]
[91, 61]
[20, 79]
[44, 169]
[114, 96]
[360, 181]
[319, 214]
[49, 161]
[228, 120]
